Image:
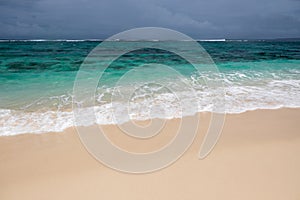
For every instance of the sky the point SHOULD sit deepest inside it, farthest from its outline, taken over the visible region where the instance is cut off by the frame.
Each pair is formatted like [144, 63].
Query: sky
[99, 19]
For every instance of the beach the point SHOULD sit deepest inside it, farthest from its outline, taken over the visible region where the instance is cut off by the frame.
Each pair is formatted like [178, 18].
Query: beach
[50, 89]
[149, 100]
[256, 157]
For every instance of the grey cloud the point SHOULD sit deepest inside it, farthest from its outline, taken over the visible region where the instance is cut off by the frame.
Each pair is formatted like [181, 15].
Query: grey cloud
[100, 19]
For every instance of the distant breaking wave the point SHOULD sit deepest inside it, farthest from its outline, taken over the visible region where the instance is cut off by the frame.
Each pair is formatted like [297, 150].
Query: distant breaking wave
[54, 40]
[96, 40]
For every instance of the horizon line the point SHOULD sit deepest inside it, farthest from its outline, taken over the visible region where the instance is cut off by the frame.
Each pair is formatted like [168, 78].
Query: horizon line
[153, 40]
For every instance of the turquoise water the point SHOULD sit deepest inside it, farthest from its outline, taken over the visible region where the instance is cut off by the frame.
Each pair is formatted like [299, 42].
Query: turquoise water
[36, 81]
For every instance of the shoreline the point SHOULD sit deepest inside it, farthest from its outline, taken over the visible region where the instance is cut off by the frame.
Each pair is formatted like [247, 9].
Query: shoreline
[167, 119]
[256, 157]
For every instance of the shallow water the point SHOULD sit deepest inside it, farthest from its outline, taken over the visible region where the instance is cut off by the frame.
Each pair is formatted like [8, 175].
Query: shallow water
[36, 82]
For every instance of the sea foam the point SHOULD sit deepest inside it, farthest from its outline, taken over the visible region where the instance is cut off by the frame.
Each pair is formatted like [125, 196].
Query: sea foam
[273, 94]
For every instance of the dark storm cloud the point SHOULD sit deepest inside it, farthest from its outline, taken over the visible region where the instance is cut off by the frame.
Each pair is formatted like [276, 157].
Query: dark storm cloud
[99, 19]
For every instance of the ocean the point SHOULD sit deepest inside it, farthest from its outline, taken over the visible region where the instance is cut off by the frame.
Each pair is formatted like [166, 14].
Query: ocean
[37, 78]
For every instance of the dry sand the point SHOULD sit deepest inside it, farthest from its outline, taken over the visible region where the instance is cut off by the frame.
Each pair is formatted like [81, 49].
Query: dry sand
[257, 157]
